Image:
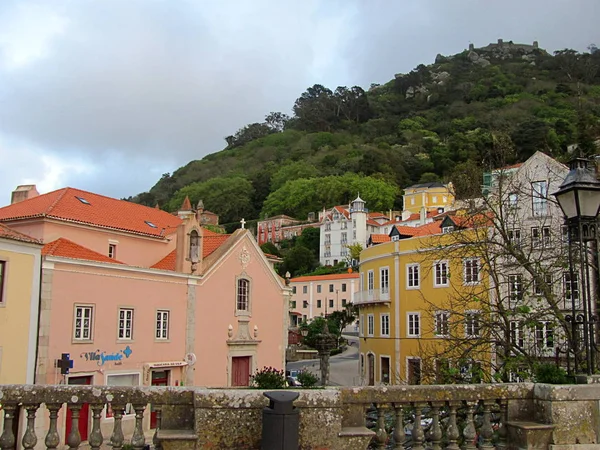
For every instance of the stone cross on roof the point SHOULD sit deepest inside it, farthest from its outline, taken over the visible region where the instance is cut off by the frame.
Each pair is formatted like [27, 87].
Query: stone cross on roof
[243, 222]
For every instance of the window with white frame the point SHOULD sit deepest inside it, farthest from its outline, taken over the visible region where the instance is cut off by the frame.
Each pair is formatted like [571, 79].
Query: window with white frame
[515, 288]
[471, 270]
[125, 323]
[516, 334]
[472, 324]
[384, 280]
[318, 288]
[327, 239]
[540, 237]
[514, 237]
[112, 251]
[414, 324]
[513, 200]
[385, 325]
[344, 239]
[125, 379]
[370, 281]
[83, 322]
[243, 295]
[539, 191]
[440, 274]
[304, 289]
[361, 325]
[413, 276]
[544, 335]
[442, 323]
[162, 325]
[571, 288]
[370, 325]
[538, 287]
[328, 226]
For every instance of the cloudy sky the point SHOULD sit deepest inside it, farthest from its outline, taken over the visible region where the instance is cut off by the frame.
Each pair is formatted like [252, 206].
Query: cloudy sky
[106, 95]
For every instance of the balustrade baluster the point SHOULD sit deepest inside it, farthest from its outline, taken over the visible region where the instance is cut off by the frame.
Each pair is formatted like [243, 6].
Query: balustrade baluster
[138, 440]
[452, 429]
[381, 434]
[486, 428]
[399, 436]
[8, 439]
[74, 438]
[95, 439]
[29, 440]
[502, 432]
[435, 432]
[418, 435]
[52, 438]
[158, 410]
[117, 439]
[469, 432]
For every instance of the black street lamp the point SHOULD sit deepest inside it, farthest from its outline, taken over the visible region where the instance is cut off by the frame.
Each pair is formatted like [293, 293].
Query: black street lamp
[579, 198]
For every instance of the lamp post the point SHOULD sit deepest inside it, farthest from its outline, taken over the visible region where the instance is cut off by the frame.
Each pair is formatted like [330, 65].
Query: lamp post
[579, 198]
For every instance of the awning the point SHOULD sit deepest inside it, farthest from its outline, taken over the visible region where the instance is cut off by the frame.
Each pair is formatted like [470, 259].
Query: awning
[295, 313]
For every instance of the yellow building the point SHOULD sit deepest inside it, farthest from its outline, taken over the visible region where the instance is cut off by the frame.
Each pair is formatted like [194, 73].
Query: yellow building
[431, 196]
[421, 302]
[20, 268]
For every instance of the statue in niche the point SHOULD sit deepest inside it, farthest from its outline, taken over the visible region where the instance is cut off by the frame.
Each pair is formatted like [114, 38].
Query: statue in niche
[194, 246]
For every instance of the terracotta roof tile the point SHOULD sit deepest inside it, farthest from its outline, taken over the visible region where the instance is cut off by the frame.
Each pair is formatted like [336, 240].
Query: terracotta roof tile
[333, 276]
[380, 238]
[210, 242]
[75, 205]
[373, 223]
[68, 249]
[9, 233]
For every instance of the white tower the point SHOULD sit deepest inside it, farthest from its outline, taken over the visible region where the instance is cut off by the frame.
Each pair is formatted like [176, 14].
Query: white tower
[358, 214]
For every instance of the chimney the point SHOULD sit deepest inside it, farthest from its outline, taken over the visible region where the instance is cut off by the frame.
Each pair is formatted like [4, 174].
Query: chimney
[23, 192]
[423, 215]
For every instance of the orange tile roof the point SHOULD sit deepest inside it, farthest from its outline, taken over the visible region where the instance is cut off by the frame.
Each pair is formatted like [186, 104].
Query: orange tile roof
[332, 276]
[429, 229]
[9, 233]
[68, 249]
[378, 215]
[210, 242]
[373, 223]
[380, 238]
[93, 209]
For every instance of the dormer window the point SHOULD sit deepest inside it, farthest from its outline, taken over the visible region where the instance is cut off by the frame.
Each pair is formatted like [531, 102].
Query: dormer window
[150, 224]
[83, 200]
[448, 229]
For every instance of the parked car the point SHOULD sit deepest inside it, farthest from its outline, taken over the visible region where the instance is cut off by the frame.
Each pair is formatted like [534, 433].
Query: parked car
[291, 377]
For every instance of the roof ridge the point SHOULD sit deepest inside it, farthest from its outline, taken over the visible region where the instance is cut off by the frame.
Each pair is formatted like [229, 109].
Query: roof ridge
[55, 202]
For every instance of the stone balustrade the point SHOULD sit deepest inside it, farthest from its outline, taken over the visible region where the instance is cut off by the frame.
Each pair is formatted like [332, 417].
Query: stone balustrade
[486, 416]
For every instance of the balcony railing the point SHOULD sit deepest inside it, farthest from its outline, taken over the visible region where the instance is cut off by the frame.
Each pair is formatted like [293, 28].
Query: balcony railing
[487, 416]
[372, 296]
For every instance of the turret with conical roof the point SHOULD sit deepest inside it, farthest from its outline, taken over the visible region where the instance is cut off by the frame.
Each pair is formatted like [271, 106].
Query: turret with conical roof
[358, 214]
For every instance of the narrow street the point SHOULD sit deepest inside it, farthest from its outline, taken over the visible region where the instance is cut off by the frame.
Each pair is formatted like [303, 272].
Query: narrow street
[343, 367]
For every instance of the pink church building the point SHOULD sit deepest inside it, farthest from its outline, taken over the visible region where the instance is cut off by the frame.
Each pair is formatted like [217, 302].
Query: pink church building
[137, 296]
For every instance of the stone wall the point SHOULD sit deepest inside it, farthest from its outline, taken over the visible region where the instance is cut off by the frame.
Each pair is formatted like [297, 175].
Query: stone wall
[335, 418]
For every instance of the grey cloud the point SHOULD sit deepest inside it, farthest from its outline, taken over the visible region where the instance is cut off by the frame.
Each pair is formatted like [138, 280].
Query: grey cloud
[390, 40]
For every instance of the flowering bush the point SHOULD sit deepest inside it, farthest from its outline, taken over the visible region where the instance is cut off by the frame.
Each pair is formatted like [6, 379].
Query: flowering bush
[269, 378]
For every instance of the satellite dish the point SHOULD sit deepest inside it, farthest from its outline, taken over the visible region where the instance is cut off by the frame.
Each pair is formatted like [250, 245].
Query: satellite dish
[190, 358]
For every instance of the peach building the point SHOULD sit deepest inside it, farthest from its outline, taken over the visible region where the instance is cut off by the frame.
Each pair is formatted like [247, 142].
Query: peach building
[319, 295]
[137, 296]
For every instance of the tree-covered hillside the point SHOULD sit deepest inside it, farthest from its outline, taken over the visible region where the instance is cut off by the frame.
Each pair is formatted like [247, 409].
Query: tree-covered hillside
[445, 121]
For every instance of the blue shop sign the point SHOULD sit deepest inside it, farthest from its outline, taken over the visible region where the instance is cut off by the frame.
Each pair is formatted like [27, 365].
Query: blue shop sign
[103, 357]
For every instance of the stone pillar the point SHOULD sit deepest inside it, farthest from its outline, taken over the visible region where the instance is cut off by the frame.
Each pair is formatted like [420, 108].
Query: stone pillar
[190, 327]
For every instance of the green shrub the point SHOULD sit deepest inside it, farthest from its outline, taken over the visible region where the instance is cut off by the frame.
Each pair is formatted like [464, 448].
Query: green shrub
[269, 378]
[307, 379]
[550, 373]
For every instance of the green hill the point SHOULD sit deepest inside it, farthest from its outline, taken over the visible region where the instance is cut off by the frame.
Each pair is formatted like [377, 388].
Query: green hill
[447, 121]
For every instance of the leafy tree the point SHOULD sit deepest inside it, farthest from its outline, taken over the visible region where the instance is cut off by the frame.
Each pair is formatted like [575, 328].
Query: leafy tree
[298, 261]
[270, 248]
[292, 171]
[277, 121]
[315, 327]
[315, 109]
[230, 197]
[299, 197]
[310, 238]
